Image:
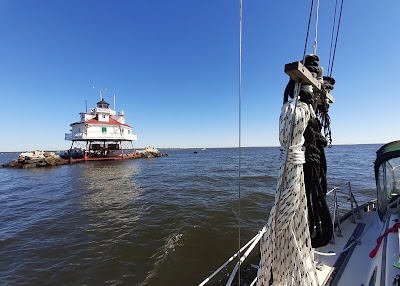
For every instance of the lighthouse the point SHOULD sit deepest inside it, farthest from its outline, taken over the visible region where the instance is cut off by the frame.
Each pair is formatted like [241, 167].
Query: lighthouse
[101, 134]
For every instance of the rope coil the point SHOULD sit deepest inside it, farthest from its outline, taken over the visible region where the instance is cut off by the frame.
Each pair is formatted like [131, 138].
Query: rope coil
[286, 248]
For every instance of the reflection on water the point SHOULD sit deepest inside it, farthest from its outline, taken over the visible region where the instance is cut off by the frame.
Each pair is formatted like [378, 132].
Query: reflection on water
[110, 198]
[109, 185]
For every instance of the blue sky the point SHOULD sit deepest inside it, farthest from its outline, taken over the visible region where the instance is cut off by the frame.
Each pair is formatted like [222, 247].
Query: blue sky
[173, 66]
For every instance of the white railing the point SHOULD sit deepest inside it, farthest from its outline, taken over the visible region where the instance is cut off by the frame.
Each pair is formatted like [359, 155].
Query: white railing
[105, 110]
[336, 218]
[131, 137]
[101, 136]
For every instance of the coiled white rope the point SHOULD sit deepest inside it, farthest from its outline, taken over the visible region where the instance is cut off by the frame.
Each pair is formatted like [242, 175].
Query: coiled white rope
[286, 246]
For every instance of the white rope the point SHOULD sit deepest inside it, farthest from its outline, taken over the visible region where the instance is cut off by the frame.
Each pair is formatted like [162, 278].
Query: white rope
[286, 248]
[339, 252]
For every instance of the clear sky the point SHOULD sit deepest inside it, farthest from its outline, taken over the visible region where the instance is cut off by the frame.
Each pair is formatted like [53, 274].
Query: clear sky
[174, 68]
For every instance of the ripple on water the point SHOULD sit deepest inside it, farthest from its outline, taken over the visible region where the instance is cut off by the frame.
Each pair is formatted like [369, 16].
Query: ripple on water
[167, 221]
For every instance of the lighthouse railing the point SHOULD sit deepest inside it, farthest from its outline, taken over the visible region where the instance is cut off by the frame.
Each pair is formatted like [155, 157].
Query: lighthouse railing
[102, 136]
[68, 136]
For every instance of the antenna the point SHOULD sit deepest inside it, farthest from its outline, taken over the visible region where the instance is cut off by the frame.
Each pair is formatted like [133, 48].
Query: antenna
[115, 109]
[86, 106]
[101, 92]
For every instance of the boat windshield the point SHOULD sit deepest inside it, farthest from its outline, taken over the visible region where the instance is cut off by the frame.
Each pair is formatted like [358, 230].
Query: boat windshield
[388, 183]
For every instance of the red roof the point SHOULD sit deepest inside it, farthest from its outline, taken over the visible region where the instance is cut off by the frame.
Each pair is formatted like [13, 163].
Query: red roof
[95, 121]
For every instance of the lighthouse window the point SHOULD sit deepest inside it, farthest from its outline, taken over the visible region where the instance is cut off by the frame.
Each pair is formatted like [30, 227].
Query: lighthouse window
[129, 132]
[104, 116]
[104, 129]
[123, 130]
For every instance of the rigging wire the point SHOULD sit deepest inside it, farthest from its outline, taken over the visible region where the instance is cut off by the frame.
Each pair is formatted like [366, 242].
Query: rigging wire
[333, 33]
[308, 31]
[240, 127]
[337, 36]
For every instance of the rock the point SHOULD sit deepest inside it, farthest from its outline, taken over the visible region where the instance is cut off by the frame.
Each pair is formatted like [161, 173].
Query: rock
[150, 152]
[12, 164]
[36, 159]
[56, 160]
[39, 158]
[26, 166]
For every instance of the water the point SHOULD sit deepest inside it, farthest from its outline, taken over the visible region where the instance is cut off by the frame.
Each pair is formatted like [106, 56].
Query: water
[162, 221]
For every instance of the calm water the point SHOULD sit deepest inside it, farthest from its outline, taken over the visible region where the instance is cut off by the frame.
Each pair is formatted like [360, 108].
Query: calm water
[163, 221]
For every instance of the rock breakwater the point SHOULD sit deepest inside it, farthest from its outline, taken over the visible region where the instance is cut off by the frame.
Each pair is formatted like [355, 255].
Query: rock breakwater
[36, 159]
[150, 152]
[39, 158]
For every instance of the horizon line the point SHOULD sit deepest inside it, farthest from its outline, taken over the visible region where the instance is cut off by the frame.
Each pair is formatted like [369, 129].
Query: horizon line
[177, 148]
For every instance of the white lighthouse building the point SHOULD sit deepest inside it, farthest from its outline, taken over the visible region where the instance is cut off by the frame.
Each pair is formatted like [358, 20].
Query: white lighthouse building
[101, 134]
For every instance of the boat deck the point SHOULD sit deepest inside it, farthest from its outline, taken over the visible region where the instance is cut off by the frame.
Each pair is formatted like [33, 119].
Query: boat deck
[352, 265]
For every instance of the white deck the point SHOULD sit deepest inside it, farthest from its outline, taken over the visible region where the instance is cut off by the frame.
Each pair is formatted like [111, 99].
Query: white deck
[357, 268]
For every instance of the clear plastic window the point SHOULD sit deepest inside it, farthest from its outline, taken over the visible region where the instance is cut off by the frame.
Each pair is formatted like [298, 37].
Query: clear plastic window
[388, 183]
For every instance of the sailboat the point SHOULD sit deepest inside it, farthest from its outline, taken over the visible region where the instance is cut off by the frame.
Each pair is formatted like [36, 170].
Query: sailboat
[304, 242]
